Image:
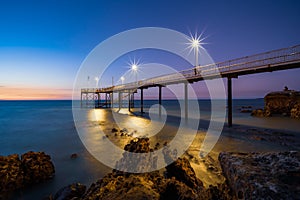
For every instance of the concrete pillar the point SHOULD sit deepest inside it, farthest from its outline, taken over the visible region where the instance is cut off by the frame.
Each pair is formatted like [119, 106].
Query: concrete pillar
[229, 101]
[159, 98]
[132, 101]
[186, 100]
[129, 102]
[112, 100]
[120, 100]
[142, 100]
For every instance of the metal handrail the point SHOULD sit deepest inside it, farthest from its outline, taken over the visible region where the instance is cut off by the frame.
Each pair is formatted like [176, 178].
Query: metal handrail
[279, 56]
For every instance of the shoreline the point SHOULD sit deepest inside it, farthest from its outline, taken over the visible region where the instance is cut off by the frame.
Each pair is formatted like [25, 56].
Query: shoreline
[82, 169]
[239, 138]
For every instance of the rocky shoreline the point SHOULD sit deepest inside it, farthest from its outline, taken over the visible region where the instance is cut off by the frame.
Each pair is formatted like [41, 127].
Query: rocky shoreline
[248, 176]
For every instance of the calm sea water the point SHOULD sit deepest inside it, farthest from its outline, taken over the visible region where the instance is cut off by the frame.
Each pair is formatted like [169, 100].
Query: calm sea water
[48, 126]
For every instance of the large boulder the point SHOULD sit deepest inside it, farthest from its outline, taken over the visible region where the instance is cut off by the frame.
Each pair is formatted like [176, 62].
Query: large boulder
[11, 174]
[34, 167]
[281, 102]
[37, 167]
[286, 103]
[262, 175]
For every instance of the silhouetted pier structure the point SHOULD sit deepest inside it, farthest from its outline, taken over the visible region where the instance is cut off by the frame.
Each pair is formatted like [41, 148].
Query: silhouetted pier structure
[281, 59]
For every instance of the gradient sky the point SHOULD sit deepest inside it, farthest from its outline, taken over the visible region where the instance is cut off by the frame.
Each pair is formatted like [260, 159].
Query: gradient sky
[43, 43]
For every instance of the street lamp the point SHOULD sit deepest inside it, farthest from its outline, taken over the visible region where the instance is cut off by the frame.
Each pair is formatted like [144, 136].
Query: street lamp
[122, 79]
[97, 80]
[195, 43]
[134, 68]
[195, 46]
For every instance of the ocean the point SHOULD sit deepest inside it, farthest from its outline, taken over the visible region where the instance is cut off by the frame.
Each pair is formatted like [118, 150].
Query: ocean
[48, 126]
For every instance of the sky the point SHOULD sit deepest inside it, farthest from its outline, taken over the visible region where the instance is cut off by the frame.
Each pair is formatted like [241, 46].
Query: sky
[43, 43]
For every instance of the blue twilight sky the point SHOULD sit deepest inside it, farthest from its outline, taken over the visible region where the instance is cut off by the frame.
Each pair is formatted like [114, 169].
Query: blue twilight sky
[43, 43]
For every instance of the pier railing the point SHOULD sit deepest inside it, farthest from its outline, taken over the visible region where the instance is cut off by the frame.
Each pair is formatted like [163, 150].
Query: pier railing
[266, 60]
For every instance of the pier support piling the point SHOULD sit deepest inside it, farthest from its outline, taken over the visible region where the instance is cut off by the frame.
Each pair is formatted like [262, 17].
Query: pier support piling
[229, 101]
[159, 99]
[112, 100]
[129, 101]
[186, 100]
[120, 101]
[142, 100]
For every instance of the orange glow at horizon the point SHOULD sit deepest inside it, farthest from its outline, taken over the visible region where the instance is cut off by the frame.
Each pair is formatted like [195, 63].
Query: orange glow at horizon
[19, 93]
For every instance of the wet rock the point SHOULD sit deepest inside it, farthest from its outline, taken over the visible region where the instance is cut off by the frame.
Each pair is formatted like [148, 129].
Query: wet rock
[295, 111]
[246, 109]
[262, 175]
[11, 174]
[114, 130]
[37, 167]
[182, 170]
[74, 156]
[73, 191]
[33, 167]
[285, 103]
[173, 189]
[124, 130]
[114, 186]
[281, 102]
[258, 113]
[143, 160]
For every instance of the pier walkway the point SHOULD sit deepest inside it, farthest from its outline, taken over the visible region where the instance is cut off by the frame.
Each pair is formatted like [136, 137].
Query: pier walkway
[281, 59]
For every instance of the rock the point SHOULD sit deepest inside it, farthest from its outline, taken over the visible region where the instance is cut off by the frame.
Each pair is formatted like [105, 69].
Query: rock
[11, 175]
[75, 190]
[74, 156]
[15, 174]
[182, 170]
[262, 175]
[124, 130]
[173, 189]
[114, 130]
[281, 102]
[285, 103]
[144, 161]
[258, 113]
[246, 109]
[295, 111]
[37, 167]
[113, 186]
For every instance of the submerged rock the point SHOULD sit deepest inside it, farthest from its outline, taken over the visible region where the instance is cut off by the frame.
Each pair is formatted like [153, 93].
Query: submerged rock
[262, 175]
[73, 191]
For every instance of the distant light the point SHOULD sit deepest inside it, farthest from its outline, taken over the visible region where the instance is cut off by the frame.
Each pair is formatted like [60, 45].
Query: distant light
[134, 67]
[195, 43]
[122, 78]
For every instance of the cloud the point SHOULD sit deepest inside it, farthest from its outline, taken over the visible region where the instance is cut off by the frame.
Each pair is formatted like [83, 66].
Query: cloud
[19, 93]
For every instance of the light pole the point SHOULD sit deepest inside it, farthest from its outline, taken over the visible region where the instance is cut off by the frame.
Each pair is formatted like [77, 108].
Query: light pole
[97, 80]
[135, 68]
[122, 79]
[196, 42]
[195, 46]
